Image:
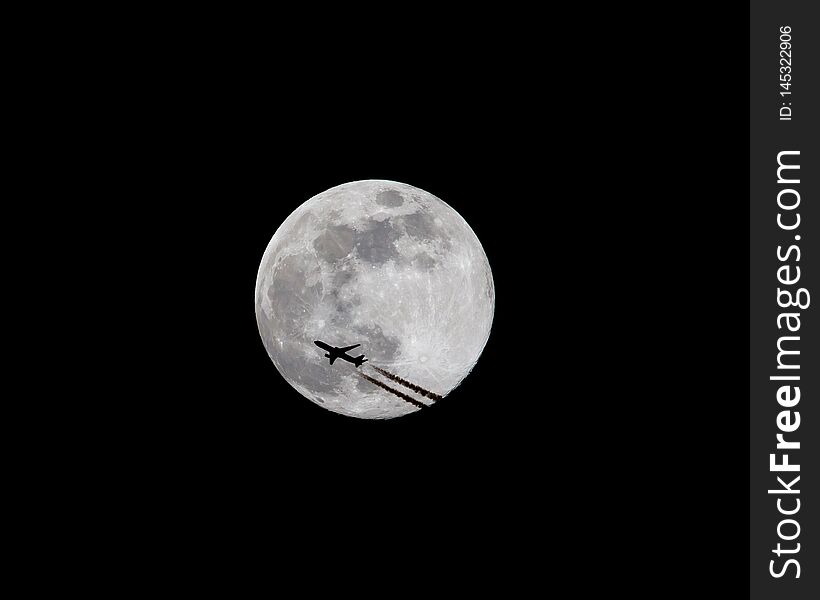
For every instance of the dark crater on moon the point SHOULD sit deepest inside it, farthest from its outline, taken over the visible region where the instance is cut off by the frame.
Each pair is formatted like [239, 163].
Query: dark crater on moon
[389, 198]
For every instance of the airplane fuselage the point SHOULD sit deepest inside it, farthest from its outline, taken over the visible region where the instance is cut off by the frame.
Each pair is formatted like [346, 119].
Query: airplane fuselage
[334, 352]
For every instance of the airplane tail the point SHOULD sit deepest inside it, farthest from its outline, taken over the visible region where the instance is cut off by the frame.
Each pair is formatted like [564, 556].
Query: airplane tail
[359, 360]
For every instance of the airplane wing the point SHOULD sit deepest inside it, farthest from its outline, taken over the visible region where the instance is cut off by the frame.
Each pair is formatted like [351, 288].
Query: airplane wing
[332, 358]
[346, 348]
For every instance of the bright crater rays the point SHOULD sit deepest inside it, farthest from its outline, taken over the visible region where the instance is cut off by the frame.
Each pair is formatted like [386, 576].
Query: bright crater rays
[385, 265]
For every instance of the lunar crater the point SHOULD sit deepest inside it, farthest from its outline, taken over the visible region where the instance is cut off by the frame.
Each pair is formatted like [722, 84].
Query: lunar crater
[389, 198]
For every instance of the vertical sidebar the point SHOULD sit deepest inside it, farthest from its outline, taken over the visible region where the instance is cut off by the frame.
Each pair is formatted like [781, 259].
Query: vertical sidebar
[784, 374]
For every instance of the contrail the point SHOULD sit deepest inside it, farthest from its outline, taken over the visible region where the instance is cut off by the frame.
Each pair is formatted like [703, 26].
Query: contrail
[392, 391]
[407, 384]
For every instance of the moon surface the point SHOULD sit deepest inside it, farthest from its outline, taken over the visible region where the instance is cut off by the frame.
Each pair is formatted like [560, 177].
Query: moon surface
[385, 265]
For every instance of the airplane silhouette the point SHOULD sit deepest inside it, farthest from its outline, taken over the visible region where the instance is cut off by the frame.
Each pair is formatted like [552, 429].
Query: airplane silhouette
[333, 353]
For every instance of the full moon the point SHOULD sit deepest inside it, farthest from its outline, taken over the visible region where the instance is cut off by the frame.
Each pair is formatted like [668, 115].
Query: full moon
[385, 265]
